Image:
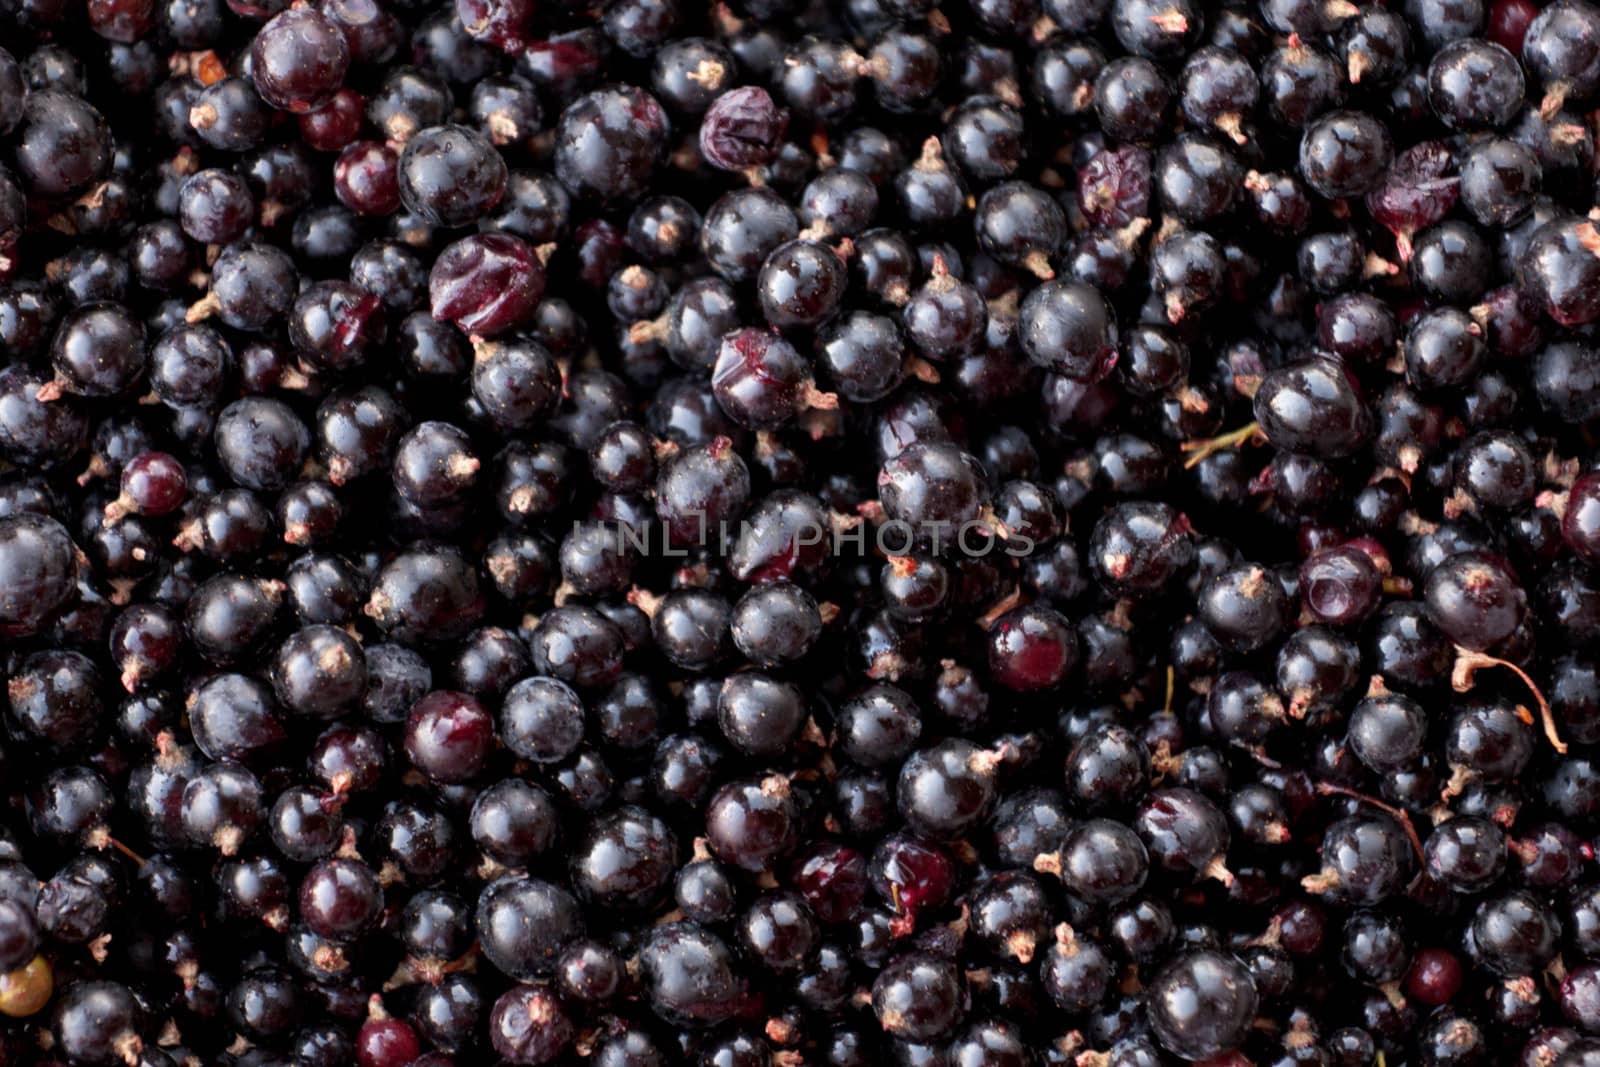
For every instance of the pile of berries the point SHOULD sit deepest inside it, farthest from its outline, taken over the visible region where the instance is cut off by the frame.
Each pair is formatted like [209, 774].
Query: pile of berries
[933, 533]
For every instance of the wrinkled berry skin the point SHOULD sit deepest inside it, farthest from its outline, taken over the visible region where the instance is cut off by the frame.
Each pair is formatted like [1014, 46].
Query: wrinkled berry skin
[742, 128]
[486, 284]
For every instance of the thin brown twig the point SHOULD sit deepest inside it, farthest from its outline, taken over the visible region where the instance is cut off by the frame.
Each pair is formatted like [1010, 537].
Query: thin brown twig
[126, 851]
[1469, 662]
[1399, 814]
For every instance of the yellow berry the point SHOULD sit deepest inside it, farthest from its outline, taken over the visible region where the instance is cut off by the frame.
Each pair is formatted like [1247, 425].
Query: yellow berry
[26, 989]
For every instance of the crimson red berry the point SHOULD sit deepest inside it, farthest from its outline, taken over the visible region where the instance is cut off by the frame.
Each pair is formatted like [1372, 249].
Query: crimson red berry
[449, 736]
[1434, 977]
[486, 284]
[387, 1043]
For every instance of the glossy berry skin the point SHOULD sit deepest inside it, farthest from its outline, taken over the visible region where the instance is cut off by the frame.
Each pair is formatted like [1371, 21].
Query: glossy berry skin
[1475, 599]
[1032, 648]
[932, 488]
[62, 144]
[818, 78]
[1020, 227]
[424, 595]
[608, 143]
[1466, 852]
[1245, 607]
[98, 350]
[335, 325]
[1514, 933]
[1130, 92]
[522, 924]
[451, 175]
[1365, 860]
[33, 433]
[319, 670]
[188, 366]
[215, 207]
[386, 1042]
[626, 860]
[1340, 585]
[800, 284]
[339, 898]
[758, 714]
[1155, 30]
[299, 60]
[1580, 523]
[917, 997]
[863, 355]
[945, 790]
[260, 442]
[944, 317]
[541, 720]
[153, 483]
[1558, 48]
[230, 617]
[502, 24]
[1138, 547]
[335, 124]
[579, 646]
[1068, 328]
[1202, 1004]
[750, 822]
[94, 1020]
[1103, 860]
[701, 488]
[1197, 177]
[1474, 84]
[689, 974]
[741, 227]
[366, 178]
[449, 736]
[1555, 269]
[1312, 406]
[38, 569]
[1357, 327]
[517, 382]
[1497, 182]
[759, 379]
[250, 283]
[1344, 154]
[513, 822]
[356, 433]
[1184, 832]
